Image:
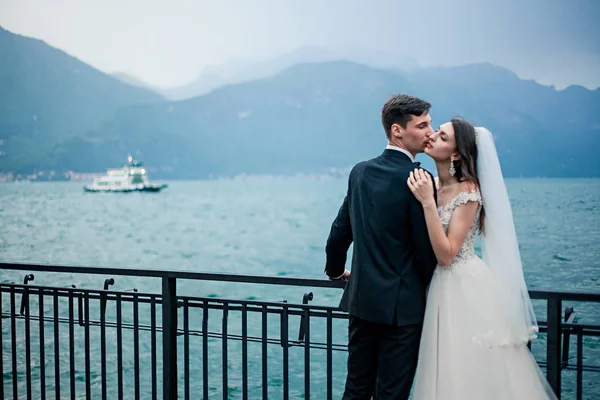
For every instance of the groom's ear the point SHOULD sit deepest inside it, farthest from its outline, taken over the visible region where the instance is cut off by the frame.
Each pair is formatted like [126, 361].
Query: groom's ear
[396, 130]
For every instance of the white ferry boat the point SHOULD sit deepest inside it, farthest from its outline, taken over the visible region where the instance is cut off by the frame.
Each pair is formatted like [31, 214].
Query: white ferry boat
[132, 177]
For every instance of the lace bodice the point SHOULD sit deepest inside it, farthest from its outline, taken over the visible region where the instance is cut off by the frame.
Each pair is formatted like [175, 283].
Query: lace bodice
[467, 249]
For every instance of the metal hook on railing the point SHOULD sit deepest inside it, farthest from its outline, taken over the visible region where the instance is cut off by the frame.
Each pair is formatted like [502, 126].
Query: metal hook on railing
[570, 315]
[107, 282]
[283, 327]
[305, 299]
[25, 297]
[28, 278]
[80, 307]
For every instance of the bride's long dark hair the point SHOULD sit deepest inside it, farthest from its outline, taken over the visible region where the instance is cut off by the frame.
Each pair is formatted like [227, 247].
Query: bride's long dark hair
[466, 167]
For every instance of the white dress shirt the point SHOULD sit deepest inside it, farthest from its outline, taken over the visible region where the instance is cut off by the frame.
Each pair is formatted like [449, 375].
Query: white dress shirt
[400, 149]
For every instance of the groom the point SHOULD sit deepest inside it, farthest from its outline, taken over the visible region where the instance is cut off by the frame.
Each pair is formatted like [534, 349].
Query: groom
[392, 260]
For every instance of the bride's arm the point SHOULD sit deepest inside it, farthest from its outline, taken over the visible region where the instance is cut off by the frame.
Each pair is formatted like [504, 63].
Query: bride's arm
[444, 247]
[447, 247]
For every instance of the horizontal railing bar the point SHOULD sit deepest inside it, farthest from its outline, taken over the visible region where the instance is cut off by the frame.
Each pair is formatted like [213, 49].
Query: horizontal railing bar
[573, 328]
[586, 332]
[196, 302]
[573, 366]
[127, 295]
[201, 300]
[257, 279]
[214, 303]
[317, 314]
[292, 309]
[577, 326]
[202, 276]
[593, 297]
[320, 312]
[65, 291]
[180, 332]
[593, 332]
[257, 339]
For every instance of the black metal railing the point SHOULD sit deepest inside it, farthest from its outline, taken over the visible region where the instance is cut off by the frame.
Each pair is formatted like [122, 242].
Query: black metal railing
[63, 342]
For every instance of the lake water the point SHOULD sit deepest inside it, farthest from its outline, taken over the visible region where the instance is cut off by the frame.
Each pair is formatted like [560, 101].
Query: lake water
[268, 226]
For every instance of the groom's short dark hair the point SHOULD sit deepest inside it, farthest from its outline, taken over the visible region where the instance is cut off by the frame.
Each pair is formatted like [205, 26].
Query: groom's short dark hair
[400, 109]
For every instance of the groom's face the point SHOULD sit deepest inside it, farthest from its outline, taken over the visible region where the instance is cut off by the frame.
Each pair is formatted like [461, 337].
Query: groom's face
[416, 134]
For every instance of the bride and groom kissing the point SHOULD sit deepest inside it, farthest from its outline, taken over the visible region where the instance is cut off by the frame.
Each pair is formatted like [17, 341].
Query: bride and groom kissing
[423, 307]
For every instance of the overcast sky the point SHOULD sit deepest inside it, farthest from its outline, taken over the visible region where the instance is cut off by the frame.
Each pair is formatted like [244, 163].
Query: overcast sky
[169, 42]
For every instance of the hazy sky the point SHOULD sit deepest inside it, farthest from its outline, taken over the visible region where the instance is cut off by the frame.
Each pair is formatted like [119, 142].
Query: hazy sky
[169, 42]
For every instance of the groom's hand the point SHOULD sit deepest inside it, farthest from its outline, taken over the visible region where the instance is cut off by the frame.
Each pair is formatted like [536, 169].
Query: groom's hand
[345, 276]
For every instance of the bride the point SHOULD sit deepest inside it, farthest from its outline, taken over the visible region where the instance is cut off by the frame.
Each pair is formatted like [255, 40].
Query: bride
[478, 318]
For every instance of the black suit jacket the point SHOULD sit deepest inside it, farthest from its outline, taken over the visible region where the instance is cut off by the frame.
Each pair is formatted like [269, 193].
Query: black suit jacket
[392, 260]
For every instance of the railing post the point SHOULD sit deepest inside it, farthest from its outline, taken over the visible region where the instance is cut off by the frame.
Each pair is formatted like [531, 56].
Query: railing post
[553, 349]
[169, 323]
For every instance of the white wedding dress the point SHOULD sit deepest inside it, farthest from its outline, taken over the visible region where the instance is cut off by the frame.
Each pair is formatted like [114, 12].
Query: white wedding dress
[465, 351]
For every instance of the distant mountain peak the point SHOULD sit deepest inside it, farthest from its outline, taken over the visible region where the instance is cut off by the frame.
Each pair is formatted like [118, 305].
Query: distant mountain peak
[134, 81]
[237, 71]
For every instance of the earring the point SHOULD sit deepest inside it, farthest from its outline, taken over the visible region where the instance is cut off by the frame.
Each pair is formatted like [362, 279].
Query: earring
[452, 170]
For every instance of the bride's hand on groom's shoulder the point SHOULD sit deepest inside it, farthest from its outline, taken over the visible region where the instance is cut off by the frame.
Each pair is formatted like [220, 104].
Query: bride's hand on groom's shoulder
[421, 184]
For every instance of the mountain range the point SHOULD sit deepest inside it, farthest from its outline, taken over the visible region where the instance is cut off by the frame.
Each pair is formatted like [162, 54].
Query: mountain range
[57, 113]
[244, 70]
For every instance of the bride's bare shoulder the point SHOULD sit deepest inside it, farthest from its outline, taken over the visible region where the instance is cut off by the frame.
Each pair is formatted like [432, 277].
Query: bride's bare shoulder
[467, 186]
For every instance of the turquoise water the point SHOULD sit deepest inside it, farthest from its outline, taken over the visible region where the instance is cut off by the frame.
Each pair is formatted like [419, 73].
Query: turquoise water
[265, 226]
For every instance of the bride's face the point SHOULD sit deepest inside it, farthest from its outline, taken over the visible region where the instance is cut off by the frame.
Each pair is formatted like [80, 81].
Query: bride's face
[442, 145]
